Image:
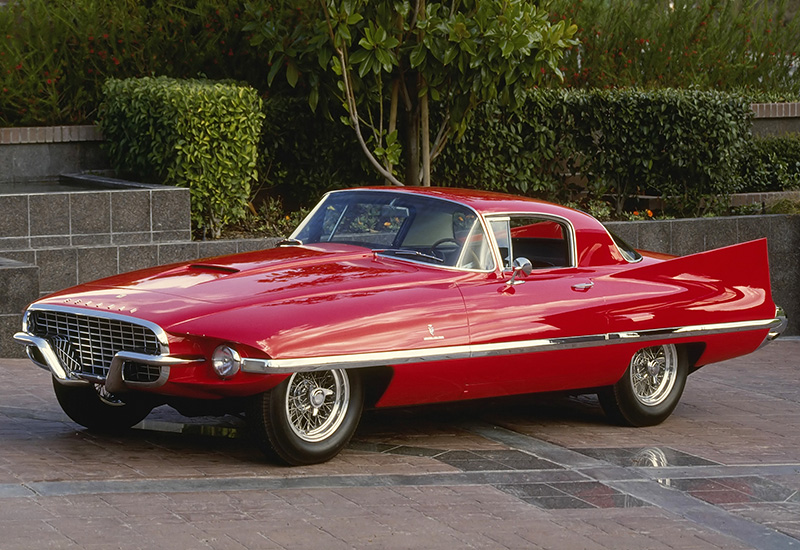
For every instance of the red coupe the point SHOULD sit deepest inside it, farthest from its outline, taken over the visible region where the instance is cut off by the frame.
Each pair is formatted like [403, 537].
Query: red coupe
[385, 297]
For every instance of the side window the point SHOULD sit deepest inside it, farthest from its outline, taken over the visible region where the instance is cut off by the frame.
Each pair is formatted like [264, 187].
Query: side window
[502, 234]
[476, 252]
[543, 241]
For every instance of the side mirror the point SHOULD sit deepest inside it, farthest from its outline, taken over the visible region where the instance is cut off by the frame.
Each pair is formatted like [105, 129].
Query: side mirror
[521, 265]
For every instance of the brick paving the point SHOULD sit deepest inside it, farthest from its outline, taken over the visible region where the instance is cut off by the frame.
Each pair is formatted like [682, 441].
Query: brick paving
[529, 472]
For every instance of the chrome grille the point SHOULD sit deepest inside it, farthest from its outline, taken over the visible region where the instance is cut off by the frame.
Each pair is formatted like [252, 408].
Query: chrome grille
[86, 344]
[137, 372]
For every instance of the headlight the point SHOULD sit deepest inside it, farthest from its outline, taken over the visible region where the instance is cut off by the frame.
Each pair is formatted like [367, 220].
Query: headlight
[226, 361]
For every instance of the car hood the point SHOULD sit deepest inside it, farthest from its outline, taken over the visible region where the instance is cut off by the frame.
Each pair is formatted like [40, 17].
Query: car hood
[232, 281]
[245, 296]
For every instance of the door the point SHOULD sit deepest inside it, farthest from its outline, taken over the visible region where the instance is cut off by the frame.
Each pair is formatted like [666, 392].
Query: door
[543, 331]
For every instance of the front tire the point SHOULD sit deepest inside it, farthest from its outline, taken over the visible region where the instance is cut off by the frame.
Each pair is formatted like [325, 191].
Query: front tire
[94, 408]
[650, 389]
[309, 418]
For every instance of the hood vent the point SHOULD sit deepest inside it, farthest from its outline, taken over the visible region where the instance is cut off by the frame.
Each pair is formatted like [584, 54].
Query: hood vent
[213, 267]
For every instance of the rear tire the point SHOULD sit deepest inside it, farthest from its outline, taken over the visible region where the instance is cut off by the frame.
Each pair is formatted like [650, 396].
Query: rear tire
[94, 408]
[309, 418]
[650, 389]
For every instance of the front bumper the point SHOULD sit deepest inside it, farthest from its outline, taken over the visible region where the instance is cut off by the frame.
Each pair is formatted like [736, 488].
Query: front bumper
[42, 354]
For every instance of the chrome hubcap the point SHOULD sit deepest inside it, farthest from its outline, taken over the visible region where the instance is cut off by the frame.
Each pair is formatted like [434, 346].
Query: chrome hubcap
[653, 372]
[316, 403]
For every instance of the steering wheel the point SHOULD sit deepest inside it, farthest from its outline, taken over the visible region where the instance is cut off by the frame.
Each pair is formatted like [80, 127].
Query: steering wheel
[440, 242]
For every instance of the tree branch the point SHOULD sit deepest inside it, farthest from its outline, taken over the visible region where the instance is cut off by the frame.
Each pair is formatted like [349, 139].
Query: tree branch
[352, 110]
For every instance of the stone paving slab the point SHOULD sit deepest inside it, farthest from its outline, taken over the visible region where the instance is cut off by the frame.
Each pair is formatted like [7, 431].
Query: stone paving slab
[526, 472]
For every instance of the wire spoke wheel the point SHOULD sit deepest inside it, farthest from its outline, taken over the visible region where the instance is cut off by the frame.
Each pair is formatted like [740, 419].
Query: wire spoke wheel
[316, 403]
[309, 417]
[653, 372]
[650, 389]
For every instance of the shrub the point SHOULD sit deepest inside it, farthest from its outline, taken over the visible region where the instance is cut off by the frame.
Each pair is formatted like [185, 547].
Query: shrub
[56, 54]
[681, 144]
[585, 145]
[772, 163]
[193, 133]
[517, 152]
[304, 155]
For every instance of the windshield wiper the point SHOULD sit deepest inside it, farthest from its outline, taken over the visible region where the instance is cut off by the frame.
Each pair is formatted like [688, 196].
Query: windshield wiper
[411, 253]
[290, 242]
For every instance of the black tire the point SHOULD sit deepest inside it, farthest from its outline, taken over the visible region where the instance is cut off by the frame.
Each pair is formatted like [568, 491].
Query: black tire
[650, 389]
[309, 418]
[92, 407]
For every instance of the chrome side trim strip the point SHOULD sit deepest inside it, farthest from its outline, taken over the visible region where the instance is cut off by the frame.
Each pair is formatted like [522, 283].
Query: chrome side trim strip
[361, 360]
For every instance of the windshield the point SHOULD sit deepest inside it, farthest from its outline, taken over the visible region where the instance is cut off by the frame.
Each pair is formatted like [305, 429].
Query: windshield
[414, 227]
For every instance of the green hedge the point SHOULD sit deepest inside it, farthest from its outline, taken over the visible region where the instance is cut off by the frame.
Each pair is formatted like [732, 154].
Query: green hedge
[190, 133]
[589, 144]
[681, 144]
[303, 154]
[772, 163]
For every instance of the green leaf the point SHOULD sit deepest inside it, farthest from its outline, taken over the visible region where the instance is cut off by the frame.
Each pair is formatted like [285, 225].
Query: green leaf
[417, 55]
[292, 74]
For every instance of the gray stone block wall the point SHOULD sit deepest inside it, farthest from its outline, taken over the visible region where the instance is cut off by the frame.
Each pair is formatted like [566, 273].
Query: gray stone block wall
[43, 153]
[19, 285]
[25, 162]
[94, 218]
[689, 236]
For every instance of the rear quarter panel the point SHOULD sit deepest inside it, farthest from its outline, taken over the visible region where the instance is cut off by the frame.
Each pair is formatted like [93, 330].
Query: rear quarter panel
[725, 285]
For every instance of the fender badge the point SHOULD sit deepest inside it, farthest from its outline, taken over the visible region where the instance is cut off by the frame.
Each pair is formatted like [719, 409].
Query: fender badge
[433, 336]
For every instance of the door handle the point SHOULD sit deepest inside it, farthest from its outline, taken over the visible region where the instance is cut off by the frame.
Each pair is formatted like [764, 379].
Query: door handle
[582, 287]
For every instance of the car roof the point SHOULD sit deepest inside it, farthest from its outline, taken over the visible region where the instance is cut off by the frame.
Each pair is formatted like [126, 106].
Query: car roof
[490, 203]
[594, 244]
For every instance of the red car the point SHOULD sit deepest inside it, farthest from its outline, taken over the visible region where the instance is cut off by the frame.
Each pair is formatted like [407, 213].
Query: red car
[386, 297]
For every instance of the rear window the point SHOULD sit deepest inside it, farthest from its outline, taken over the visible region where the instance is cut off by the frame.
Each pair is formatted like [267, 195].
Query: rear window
[628, 252]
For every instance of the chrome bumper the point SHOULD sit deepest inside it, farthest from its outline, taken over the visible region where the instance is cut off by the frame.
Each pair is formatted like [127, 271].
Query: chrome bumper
[778, 327]
[114, 381]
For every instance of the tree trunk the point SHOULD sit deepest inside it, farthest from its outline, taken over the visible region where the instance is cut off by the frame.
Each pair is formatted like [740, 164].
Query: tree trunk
[393, 118]
[412, 137]
[425, 132]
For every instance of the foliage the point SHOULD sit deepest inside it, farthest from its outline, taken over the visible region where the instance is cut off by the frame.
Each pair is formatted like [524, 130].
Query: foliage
[733, 45]
[520, 151]
[390, 58]
[785, 206]
[585, 145]
[681, 144]
[303, 155]
[55, 55]
[191, 133]
[772, 163]
[271, 219]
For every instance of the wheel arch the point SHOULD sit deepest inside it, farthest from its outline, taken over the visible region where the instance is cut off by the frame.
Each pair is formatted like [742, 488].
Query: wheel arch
[694, 350]
[376, 381]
